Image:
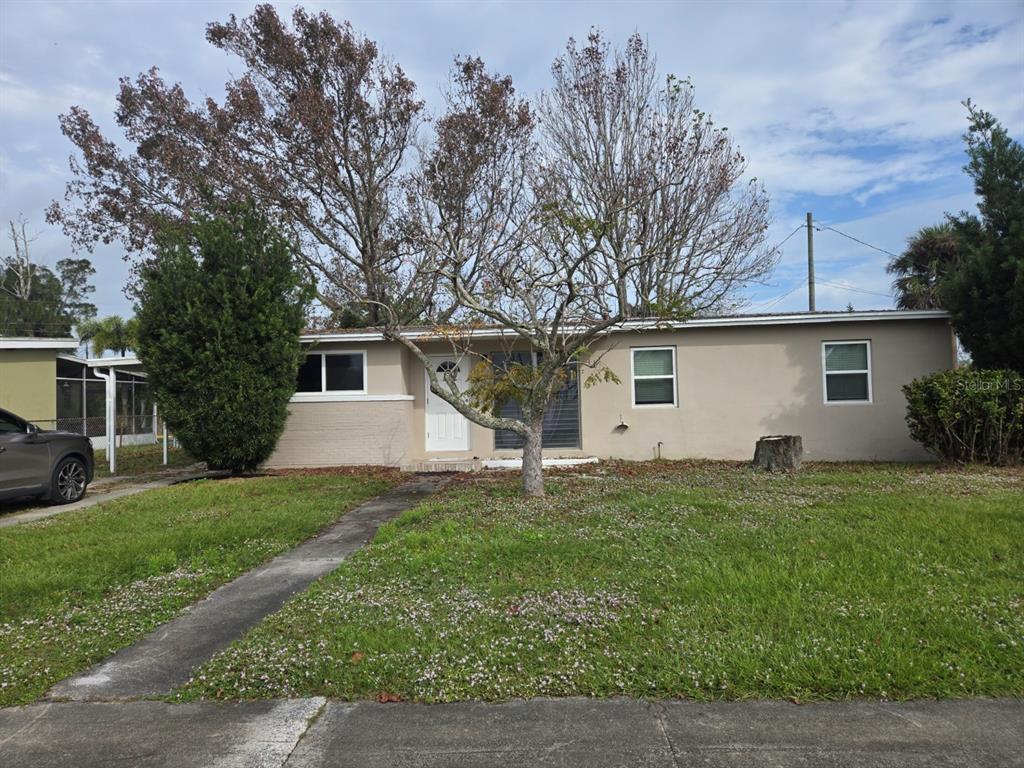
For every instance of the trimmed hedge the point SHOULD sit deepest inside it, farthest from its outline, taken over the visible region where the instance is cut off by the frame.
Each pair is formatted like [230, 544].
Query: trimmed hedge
[968, 415]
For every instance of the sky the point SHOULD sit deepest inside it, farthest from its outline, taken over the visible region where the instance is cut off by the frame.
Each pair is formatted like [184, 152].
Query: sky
[850, 110]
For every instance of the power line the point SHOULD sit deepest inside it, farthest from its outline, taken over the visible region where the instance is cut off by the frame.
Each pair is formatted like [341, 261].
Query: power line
[853, 289]
[772, 302]
[783, 242]
[869, 245]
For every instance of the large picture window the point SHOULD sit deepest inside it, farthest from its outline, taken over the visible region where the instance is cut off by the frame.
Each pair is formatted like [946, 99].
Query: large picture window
[654, 376]
[846, 367]
[333, 372]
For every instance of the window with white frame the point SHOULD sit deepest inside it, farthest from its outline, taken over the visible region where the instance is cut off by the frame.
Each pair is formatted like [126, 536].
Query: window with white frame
[333, 372]
[654, 376]
[846, 367]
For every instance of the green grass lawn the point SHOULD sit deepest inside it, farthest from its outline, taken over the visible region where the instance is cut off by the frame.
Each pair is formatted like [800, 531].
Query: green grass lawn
[135, 460]
[76, 587]
[666, 580]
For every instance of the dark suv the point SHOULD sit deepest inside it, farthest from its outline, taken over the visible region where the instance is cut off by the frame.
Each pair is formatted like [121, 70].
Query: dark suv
[39, 462]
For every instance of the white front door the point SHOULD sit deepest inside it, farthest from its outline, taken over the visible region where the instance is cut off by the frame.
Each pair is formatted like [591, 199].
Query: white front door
[447, 429]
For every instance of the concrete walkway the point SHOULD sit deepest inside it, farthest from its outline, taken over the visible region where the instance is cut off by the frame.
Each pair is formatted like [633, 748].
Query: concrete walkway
[312, 733]
[165, 658]
[93, 498]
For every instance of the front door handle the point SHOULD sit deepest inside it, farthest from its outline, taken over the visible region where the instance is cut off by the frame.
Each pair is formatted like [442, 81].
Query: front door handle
[2, 449]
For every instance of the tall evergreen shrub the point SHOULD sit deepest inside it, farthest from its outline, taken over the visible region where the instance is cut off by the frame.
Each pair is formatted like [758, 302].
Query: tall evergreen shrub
[220, 310]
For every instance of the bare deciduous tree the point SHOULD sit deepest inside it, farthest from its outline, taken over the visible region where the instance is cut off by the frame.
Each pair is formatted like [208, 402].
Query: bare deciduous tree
[610, 198]
[615, 200]
[316, 132]
[17, 270]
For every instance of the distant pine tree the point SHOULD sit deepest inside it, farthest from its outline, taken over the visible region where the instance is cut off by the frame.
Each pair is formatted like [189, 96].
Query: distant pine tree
[985, 294]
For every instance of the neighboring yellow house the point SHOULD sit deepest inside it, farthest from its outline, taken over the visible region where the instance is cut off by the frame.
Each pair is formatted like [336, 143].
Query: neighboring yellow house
[28, 376]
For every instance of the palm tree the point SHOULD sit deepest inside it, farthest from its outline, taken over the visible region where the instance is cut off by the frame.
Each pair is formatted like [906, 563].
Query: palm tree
[113, 333]
[931, 254]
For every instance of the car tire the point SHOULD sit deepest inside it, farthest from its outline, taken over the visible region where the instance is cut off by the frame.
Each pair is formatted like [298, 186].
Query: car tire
[68, 483]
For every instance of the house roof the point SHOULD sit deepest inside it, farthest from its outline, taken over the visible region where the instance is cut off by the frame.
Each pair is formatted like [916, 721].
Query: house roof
[114, 362]
[37, 342]
[104, 362]
[420, 332]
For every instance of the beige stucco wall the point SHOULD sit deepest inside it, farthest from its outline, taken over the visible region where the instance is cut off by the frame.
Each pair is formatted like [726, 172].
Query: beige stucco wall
[733, 386]
[737, 384]
[28, 383]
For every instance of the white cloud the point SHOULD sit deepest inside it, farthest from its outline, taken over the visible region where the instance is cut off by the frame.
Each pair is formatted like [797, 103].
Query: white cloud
[856, 104]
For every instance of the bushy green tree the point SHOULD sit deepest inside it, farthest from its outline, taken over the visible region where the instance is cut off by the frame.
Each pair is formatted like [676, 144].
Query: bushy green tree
[985, 294]
[220, 310]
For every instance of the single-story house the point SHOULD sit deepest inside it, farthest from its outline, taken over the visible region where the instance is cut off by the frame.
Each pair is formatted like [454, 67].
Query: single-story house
[28, 376]
[700, 388]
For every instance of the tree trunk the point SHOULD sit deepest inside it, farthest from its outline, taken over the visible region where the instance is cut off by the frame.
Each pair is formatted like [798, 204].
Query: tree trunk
[779, 453]
[533, 470]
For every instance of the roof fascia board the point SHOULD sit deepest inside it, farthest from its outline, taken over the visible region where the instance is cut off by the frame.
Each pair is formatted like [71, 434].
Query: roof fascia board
[38, 343]
[652, 325]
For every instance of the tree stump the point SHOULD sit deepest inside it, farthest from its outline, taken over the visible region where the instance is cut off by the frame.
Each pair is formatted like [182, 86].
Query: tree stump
[779, 453]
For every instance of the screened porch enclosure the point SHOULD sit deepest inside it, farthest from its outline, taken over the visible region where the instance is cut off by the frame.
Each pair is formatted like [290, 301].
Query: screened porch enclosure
[81, 404]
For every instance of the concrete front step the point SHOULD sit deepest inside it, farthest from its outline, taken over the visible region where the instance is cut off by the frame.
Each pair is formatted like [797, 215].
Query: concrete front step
[439, 465]
[475, 465]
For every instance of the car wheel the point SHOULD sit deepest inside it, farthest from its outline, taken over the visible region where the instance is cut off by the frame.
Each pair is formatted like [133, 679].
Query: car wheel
[68, 482]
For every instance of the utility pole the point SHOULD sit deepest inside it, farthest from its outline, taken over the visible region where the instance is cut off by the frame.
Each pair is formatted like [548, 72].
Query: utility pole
[810, 261]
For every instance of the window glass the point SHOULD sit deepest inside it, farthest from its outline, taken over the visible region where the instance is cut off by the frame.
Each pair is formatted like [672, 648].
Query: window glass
[851, 386]
[846, 357]
[652, 362]
[654, 377]
[653, 391]
[309, 375]
[847, 372]
[9, 426]
[561, 428]
[344, 373]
